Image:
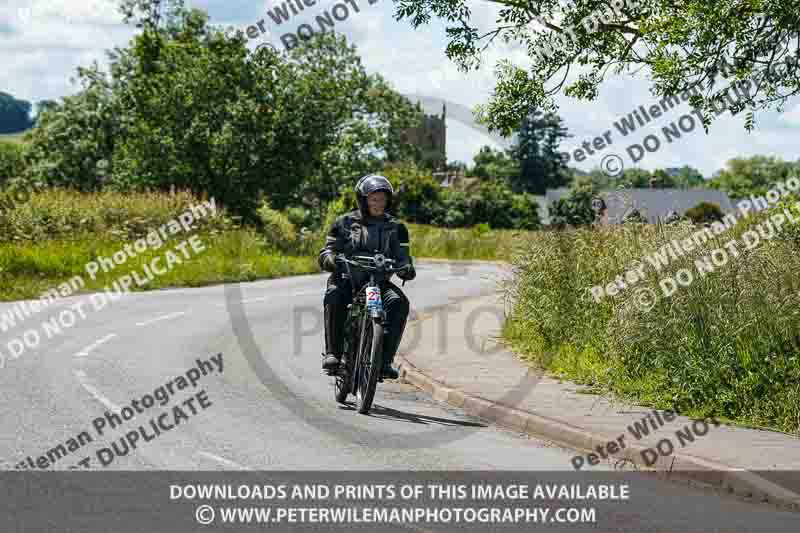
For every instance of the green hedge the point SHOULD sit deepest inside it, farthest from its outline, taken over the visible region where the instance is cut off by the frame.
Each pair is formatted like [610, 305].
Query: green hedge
[68, 215]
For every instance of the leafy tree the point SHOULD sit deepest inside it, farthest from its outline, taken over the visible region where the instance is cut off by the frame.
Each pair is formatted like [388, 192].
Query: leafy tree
[683, 44]
[595, 180]
[490, 163]
[418, 196]
[14, 114]
[754, 175]
[187, 105]
[11, 161]
[662, 180]
[455, 211]
[637, 178]
[536, 150]
[687, 177]
[73, 143]
[423, 200]
[634, 178]
[492, 204]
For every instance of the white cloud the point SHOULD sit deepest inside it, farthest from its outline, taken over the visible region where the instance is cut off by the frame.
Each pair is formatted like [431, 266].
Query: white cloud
[43, 41]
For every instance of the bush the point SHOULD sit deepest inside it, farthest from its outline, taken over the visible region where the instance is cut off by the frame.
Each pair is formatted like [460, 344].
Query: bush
[634, 217]
[281, 234]
[299, 216]
[422, 200]
[11, 162]
[704, 212]
[481, 229]
[418, 196]
[453, 218]
[525, 212]
[573, 210]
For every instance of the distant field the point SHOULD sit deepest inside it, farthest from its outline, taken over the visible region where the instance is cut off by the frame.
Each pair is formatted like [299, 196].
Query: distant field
[13, 137]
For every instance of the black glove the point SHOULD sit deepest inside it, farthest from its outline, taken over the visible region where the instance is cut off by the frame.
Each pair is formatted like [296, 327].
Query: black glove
[329, 263]
[408, 274]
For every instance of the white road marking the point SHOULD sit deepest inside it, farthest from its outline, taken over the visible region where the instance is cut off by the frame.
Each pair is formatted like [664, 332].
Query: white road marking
[257, 299]
[304, 293]
[94, 392]
[226, 462]
[250, 300]
[162, 317]
[94, 345]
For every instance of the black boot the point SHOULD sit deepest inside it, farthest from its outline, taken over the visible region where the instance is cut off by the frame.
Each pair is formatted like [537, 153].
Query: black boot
[333, 338]
[331, 362]
[388, 371]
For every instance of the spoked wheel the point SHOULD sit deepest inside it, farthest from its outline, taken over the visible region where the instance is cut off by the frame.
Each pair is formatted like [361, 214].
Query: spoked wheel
[343, 383]
[370, 363]
[341, 388]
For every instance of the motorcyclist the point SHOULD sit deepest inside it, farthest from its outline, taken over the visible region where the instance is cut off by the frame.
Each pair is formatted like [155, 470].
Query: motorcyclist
[368, 230]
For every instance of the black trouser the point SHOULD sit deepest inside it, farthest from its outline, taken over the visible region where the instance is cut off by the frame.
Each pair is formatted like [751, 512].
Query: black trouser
[339, 294]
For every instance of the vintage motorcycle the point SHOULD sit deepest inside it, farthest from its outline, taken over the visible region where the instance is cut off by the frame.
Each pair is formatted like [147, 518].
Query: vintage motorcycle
[364, 328]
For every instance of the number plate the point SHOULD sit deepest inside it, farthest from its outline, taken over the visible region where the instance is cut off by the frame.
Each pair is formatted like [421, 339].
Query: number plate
[374, 298]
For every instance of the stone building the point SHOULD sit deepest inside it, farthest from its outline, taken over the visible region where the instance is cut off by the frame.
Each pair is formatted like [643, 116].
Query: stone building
[431, 138]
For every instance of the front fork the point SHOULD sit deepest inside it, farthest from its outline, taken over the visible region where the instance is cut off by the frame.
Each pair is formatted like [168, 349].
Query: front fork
[370, 314]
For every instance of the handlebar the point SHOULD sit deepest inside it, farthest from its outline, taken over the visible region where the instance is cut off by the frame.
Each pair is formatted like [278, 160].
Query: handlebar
[378, 259]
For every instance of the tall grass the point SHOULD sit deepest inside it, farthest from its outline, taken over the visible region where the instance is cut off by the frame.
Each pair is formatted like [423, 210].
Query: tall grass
[68, 215]
[465, 243]
[52, 235]
[726, 345]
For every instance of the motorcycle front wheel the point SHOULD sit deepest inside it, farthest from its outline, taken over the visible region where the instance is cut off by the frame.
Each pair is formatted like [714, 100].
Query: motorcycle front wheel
[371, 361]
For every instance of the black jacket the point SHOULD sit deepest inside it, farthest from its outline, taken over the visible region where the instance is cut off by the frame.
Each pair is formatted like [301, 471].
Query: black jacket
[353, 234]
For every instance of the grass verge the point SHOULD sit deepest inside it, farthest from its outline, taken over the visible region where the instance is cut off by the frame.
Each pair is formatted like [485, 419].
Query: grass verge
[26, 271]
[725, 345]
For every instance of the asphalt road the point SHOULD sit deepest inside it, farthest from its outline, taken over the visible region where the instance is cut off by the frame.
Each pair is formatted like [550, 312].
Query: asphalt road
[133, 346]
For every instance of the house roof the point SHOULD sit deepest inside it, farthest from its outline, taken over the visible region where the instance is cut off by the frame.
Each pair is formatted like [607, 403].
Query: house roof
[653, 204]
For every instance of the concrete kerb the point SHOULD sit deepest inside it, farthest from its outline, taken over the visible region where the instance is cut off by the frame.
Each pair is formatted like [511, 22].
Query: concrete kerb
[679, 465]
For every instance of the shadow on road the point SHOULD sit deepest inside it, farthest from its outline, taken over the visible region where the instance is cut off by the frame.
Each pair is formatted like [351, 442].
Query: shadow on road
[387, 412]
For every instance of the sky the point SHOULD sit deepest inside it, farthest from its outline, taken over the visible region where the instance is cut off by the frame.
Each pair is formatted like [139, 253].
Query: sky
[42, 42]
